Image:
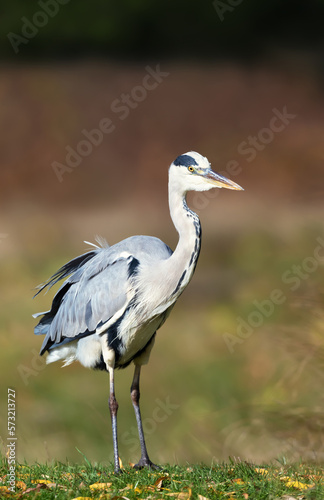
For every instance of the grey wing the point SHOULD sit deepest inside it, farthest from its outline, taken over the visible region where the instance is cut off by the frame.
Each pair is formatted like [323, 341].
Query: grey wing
[95, 295]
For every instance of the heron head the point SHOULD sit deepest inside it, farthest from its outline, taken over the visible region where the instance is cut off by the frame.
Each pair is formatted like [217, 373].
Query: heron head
[194, 173]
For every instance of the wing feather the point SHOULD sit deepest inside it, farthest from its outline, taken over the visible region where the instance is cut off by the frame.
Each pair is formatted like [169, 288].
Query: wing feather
[98, 288]
[94, 293]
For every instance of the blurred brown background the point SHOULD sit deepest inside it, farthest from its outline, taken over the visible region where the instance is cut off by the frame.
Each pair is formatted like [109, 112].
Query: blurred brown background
[161, 81]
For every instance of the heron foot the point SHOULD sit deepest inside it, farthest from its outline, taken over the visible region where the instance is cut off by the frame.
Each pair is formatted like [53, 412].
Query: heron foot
[119, 471]
[146, 462]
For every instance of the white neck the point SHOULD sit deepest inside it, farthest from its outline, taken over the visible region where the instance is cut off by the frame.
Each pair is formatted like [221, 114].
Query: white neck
[182, 262]
[177, 270]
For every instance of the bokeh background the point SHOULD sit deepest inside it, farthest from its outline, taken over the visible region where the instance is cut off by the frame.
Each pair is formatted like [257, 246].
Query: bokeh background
[237, 370]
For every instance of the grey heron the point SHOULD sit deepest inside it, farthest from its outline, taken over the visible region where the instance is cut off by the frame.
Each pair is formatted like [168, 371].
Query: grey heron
[114, 298]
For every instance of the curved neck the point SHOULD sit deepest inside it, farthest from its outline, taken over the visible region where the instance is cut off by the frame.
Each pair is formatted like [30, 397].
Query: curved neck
[185, 221]
[176, 270]
[184, 259]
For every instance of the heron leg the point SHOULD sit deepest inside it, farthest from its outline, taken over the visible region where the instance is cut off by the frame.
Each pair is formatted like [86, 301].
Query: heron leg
[113, 407]
[135, 395]
[109, 359]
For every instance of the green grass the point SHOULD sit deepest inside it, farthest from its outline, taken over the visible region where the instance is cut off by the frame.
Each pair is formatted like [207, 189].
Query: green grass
[237, 480]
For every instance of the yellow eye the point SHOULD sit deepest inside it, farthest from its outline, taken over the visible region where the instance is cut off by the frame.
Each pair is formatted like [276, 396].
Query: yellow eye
[191, 169]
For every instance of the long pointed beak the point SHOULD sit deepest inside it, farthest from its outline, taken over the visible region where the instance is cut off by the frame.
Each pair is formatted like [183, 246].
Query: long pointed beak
[220, 181]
